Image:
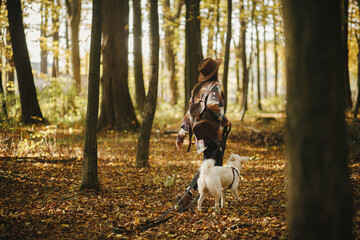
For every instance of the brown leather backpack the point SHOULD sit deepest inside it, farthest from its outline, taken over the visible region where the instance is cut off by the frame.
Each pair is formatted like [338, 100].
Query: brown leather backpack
[203, 122]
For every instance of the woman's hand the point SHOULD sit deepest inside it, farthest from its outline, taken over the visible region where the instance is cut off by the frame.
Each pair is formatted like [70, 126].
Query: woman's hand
[179, 142]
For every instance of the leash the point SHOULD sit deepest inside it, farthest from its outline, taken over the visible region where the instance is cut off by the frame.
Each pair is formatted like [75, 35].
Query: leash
[161, 219]
[153, 223]
[221, 147]
[238, 174]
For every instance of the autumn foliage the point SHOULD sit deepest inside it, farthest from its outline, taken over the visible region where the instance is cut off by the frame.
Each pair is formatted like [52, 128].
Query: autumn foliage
[40, 173]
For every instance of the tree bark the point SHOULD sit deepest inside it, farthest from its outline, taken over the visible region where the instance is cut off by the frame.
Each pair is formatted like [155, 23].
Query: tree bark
[357, 105]
[227, 53]
[30, 109]
[2, 93]
[170, 50]
[245, 73]
[193, 50]
[217, 20]
[138, 64]
[344, 21]
[210, 42]
[89, 169]
[258, 64]
[265, 49]
[275, 53]
[67, 64]
[320, 201]
[142, 152]
[116, 111]
[74, 11]
[10, 73]
[43, 37]
[56, 26]
[250, 67]
[252, 83]
[237, 64]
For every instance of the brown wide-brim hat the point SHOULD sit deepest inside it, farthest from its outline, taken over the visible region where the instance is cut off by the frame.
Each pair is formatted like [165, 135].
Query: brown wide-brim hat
[207, 68]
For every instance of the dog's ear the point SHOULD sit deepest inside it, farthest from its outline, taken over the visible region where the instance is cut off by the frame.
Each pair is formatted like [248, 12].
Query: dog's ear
[232, 157]
[244, 159]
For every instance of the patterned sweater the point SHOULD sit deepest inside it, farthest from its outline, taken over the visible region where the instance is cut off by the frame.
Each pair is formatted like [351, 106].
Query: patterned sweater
[215, 103]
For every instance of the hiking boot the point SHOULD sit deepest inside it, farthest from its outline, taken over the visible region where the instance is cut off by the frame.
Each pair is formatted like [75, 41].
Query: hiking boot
[185, 201]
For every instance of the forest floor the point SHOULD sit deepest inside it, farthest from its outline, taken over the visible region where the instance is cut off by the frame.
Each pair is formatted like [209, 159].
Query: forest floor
[40, 174]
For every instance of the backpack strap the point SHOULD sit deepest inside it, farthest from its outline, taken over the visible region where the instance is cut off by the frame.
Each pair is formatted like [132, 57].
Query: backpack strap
[190, 136]
[206, 97]
[207, 94]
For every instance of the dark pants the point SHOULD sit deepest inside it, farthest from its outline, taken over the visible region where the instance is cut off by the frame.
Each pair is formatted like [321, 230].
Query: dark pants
[208, 153]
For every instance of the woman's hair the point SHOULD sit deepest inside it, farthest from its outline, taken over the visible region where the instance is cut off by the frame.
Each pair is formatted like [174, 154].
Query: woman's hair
[198, 86]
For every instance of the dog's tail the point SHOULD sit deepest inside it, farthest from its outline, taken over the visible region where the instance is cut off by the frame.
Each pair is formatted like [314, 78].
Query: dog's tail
[206, 165]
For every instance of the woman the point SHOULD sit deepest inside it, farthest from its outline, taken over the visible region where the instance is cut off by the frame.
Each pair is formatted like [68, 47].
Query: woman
[209, 89]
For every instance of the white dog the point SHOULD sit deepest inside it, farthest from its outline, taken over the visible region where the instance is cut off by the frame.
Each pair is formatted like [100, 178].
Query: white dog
[217, 179]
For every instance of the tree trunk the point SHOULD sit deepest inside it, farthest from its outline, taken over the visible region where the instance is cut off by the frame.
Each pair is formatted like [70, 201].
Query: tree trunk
[30, 109]
[217, 25]
[258, 64]
[56, 26]
[138, 65]
[43, 37]
[237, 64]
[142, 152]
[357, 105]
[117, 111]
[89, 169]
[221, 49]
[250, 67]
[275, 53]
[2, 93]
[3, 100]
[265, 55]
[170, 51]
[344, 20]
[9, 74]
[74, 11]
[320, 201]
[193, 50]
[67, 64]
[252, 83]
[227, 53]
[210, 42]
[245, 72]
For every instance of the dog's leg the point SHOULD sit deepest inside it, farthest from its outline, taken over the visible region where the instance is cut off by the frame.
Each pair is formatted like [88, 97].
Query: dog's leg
[217, 197]
[216, 206]
[203, 195]
[223, 198]
[235, 194]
